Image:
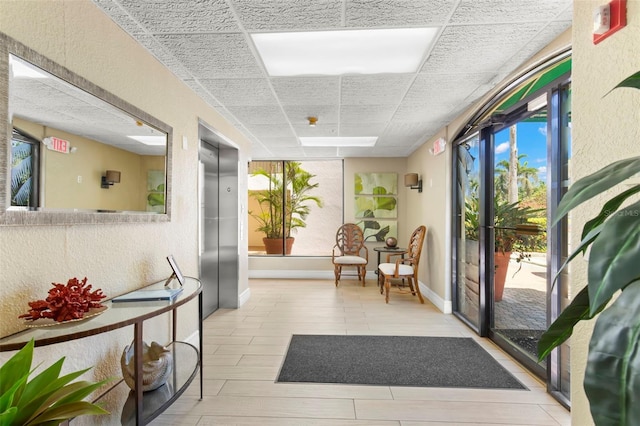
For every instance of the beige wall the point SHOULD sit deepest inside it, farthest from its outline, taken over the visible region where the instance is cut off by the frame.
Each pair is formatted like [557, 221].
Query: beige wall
[606, 128]
[116, 258]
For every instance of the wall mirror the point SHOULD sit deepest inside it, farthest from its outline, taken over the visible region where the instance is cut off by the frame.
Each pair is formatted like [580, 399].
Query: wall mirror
[72, 153]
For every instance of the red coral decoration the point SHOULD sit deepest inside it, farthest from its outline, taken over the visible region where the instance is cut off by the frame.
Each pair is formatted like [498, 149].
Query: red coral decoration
[66, 302]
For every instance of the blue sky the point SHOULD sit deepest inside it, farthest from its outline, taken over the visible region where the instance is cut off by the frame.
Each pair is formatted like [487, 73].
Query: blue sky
[532, 141]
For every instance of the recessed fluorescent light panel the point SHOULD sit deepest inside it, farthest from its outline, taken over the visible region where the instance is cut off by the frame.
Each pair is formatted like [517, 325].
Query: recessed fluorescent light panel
[150, 140]
[23, 69]
[339, 141]
[344, 52]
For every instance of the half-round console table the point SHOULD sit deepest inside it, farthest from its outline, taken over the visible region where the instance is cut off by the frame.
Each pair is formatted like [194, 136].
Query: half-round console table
[137, 407]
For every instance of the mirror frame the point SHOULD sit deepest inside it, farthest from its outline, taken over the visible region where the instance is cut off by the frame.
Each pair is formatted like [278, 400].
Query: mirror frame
[26, 217]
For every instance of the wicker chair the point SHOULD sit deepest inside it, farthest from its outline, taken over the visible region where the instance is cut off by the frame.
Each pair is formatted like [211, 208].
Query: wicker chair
[404, 268]
[350, 250]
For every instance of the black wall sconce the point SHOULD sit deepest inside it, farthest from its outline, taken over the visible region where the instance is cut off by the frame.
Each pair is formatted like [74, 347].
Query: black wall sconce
[111, 177]
[411, 181]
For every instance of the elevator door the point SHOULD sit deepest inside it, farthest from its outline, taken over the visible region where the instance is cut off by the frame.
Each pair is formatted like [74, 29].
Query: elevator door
[209, 228]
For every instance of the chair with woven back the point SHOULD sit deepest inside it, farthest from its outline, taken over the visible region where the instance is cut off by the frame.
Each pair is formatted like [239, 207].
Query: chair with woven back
[406, 267]
[350, 250]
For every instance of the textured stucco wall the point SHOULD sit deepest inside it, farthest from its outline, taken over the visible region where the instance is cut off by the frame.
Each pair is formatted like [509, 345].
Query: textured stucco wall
[605, 129]
[116, 258]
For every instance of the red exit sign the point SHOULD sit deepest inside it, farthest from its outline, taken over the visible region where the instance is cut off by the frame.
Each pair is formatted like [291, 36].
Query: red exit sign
[57, 144]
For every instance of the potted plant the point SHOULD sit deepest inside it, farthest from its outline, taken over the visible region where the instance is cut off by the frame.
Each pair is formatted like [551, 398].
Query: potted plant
[48, 398]
[284, 205]
[612, 374]
[511, 234]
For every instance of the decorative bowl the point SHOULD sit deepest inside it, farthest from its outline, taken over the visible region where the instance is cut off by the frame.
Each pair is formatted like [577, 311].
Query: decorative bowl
[157, 364]
[391, 242]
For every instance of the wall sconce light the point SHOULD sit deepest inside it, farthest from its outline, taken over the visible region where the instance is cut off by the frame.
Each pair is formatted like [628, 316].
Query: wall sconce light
[411, 181]
[111, 177]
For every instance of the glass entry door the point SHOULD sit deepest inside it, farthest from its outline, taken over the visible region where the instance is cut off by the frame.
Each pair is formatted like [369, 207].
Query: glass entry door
[519, 304]
[508, 178]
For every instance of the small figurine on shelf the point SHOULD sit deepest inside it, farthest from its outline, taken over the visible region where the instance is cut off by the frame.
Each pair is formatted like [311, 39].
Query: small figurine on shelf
[157, 364]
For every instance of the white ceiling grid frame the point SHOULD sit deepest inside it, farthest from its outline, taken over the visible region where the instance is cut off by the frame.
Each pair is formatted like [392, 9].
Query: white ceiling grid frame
[208, 44]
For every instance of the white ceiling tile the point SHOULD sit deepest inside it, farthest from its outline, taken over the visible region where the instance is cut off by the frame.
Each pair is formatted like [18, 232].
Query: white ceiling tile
[307, 90]
[374, 89]
[181, 16]
[207, 44]
[284, 15]
[498, 11]
[326, 129]
[364, 129]
[270, 130]
[259, 114]
[213, 55]
[479, 48]
[241, 92]
[397, 13]
[326, 114]
[367, 113]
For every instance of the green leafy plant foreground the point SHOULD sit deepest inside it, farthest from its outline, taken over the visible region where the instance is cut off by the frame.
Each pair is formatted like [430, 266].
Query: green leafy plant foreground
[612, 375]
[48, 398]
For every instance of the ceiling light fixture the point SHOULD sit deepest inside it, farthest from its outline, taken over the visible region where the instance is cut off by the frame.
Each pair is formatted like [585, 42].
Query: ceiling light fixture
[312, 121]
[378, 51]
[339, 141]
[150, 140]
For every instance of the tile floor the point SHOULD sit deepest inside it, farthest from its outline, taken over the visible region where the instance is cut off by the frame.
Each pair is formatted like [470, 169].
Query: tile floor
[244, 348]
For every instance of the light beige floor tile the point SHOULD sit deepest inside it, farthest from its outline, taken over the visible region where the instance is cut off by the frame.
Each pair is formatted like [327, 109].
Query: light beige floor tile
[321, 408]
[225, 372]
[295, 390]
[175, 420]
[266, 421]
[261, 360]
[454, 412]
[244, 349]
[211, 360]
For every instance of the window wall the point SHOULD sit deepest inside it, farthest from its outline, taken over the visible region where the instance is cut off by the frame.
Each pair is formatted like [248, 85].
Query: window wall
[294, 207]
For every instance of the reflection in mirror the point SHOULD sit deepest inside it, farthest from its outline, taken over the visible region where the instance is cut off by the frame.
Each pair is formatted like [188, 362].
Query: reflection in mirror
[69, 140]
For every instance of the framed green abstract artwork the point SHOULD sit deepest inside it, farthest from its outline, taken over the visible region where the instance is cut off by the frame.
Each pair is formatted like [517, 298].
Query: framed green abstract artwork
[376, 205]
[376, 183]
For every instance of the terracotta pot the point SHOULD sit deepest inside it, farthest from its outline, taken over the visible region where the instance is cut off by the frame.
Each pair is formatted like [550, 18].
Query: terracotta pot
[501, 261]
[274, 245]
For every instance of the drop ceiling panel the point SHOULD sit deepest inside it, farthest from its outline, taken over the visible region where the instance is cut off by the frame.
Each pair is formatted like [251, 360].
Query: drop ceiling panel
[259, 114]
[241, 92]
[288, 15]
[207, 44]
[181, 16]
[326, 114]
[491, 47]
[500, 11]
[374, 89]
[213, 55]
[397, 13]
[367, 113]
[307, 90]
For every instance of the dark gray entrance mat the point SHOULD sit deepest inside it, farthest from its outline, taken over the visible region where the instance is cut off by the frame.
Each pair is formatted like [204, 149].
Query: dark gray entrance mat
[394, 361]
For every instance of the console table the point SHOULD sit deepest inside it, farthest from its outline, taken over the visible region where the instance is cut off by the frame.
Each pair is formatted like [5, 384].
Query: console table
[132, 407]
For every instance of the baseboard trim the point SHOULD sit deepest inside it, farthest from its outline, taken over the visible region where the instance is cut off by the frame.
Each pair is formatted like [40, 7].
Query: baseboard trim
[244, 297]
[291, 274]
[444, 305]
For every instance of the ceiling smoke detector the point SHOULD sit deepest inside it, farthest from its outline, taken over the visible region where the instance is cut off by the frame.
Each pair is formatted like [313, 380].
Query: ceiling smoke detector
[312, 121]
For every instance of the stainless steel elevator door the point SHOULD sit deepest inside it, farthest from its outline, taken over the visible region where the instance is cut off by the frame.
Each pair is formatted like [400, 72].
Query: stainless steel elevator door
[209, 228]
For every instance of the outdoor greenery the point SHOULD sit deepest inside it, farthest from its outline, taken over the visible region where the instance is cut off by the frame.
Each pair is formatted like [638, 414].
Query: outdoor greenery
[21, 173]
[286, 203]
[612, 375]
[47, 398]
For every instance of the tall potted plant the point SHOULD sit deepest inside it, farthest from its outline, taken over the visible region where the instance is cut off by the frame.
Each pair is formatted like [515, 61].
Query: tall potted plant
[284, 205]
[612, 374]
